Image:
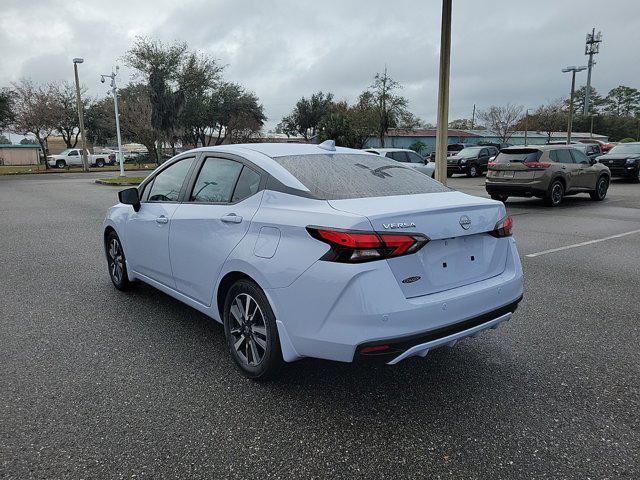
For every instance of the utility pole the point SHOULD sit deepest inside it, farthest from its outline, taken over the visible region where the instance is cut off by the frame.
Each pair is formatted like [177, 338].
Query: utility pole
[473, 116]
[114, 92]
[591, 129]
[83, 138]
[592, 46]
[443, 94]
[526, 126]
[573, 71]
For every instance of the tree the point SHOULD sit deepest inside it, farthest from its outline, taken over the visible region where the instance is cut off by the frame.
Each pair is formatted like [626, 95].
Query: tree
[34, 112]
[26, 141]
[595, 101]
[622, 101]
[547, 118]
[4, 140]
[350, 126]
[160, 65]
[234, 109]
[6, 108]
[65, 111]
[391, 107]
[306, 115]
[100, 122]
[502, 120]
[135, 115]
[460, 124]
[418, 146]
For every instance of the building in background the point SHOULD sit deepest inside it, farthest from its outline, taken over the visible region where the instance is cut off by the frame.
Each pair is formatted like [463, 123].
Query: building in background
[19, 154]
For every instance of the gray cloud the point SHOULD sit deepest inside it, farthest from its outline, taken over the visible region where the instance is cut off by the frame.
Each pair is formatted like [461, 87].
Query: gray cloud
[502, 51]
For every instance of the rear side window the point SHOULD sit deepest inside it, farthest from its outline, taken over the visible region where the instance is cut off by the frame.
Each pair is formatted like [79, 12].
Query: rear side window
[518, 155]
[167, 184]
[579, 157]
[216, 180]
[340, 176]
[561, 156]
[248, 184]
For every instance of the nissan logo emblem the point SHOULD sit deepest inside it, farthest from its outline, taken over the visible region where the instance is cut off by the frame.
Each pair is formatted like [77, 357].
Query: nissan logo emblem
[465, 222]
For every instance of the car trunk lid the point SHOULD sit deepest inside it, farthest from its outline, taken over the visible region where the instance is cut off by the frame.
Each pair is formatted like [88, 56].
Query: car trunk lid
[459, 252]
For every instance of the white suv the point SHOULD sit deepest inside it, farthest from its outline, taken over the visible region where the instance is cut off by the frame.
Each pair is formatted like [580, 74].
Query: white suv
[408, 157]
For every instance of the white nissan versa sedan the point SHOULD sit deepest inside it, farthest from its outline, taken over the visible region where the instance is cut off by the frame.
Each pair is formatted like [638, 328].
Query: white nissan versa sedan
[316, 251]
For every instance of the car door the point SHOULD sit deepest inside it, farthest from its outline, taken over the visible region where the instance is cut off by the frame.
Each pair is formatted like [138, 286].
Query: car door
[221, 201]
[568, 168]
[588, 174]
[74, 158]
[483, 158]
[147, 231]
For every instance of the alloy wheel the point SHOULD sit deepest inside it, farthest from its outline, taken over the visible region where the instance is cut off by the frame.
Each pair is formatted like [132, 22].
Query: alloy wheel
[116, 261]
[602, 187]
[556, 193]
[248, 330]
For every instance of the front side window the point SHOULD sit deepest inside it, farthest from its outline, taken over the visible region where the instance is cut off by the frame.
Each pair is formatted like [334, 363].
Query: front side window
[414, 157]
[343, 175]
[561, 156]
[167, 184]
[73, 153]
[579, 157]
[216, 181]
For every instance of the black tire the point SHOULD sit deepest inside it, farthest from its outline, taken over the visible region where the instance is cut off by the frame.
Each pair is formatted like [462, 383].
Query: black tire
[556, 194]
[636, 177]
[500, 197]
[116, 261]
[259, 355]
[61, 164]
[473, 171]
[100, 163]
[602, 185]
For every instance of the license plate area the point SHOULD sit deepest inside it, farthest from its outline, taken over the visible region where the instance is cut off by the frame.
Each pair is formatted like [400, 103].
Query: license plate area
[508, 174]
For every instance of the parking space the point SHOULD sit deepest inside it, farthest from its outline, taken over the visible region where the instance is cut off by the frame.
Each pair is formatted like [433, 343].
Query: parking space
[97, 383]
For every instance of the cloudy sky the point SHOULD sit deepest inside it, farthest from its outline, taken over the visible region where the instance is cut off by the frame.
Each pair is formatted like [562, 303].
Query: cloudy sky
[502, 50]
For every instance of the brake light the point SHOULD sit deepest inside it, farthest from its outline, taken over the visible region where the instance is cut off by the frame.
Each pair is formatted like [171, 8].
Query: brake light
[491, 164]
[503, 228]
[352, 246]
[537, 164]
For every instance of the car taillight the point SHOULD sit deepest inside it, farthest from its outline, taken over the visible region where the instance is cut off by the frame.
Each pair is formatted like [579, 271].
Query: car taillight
[503, 228]
[491, 164]
[537, 164]
[353, 246]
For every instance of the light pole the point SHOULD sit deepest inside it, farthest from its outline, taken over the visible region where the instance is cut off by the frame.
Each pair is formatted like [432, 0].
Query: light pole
[573, 70]
[83, 138]
[591, 48]
[114, 92]
[443, 94]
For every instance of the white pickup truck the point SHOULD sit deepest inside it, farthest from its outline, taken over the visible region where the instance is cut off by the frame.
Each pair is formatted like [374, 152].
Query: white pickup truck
[72, 157]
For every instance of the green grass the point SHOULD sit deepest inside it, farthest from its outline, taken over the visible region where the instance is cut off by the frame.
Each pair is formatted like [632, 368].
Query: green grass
[17, 169]
[120, 180]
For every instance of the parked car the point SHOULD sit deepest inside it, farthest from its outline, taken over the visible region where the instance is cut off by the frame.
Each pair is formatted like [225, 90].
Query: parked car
[72, 157]
[591, 150]
[471, 161]
[408, 158]
[315, 251]
[546, 171]
[623, 160]
[604, 146]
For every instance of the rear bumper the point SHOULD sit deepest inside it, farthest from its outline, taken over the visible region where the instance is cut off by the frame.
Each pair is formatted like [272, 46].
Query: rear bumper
[333, 310]
[532, 189]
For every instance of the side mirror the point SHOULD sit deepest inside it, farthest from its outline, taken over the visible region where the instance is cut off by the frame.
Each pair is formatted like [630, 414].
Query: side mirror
[130, 196]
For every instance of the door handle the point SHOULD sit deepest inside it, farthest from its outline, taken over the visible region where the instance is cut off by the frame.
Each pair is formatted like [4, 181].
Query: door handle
[231, 218]
[162, 220]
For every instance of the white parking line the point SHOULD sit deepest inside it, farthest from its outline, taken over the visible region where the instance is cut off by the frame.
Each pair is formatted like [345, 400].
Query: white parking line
[581, 244]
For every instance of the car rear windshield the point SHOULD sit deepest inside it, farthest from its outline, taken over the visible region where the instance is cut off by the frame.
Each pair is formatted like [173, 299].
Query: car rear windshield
[340, 176]
[518, 155]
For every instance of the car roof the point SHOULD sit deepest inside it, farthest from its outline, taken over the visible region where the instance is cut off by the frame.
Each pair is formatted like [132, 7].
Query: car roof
[538, 147]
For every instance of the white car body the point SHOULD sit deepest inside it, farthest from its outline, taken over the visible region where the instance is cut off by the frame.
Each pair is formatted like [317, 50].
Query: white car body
[72, 157]
[462, 281]
[410, 159]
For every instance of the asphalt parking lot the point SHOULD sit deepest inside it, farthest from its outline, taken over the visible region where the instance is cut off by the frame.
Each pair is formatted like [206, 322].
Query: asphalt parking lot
[96, 383]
